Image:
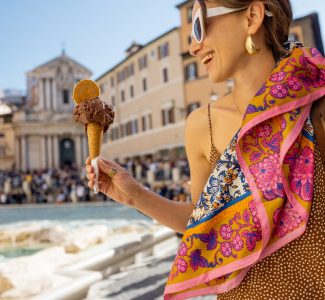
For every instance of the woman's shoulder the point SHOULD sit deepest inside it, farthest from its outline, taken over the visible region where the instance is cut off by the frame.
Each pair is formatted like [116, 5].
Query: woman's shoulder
[225, 121]
[198, 119]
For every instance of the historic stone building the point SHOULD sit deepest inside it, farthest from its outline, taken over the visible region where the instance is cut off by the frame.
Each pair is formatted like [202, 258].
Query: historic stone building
[146, 90]
[45, 134]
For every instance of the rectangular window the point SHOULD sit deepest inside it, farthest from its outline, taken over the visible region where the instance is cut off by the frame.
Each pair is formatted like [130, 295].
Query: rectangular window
[112, 81]
[143, 62]
[192, 107]
[112, 136]
[131, 69]
[144, 84]
[168, 116]
[171, 116]
[113, 101]
[163, 50]
[122, 96]
[189, 14]
[115, 133]
[165, 74]
[191, 71]
[122, 130]
[134, 126]
[102, 88]
[131, 91]
[163, 117]
[65, 96]
[150, 122]
[143, 120]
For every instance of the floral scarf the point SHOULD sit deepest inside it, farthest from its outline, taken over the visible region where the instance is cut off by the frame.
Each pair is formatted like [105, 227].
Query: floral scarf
[258, 197]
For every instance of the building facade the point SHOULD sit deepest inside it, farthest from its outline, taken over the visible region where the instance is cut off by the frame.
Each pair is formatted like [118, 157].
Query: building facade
[7, 137]
[146, 91]
[45, 134]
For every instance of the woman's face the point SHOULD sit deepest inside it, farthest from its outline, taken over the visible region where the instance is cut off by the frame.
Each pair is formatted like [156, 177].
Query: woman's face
[225, 40]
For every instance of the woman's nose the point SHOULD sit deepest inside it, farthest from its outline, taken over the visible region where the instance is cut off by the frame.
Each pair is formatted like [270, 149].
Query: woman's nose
[195, 47]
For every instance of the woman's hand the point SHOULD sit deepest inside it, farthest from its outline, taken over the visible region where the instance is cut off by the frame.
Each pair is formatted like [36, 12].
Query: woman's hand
[122, 187]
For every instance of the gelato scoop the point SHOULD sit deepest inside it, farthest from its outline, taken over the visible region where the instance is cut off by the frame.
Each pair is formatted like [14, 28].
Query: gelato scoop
[94, 111]
[95, 115]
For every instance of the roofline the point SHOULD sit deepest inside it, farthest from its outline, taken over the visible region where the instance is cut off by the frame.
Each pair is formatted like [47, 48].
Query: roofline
[183, 3]
[316, 29]
[53, 59]
[128, 57]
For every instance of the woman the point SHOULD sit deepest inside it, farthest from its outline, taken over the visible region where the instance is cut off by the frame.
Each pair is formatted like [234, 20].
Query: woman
[253, 229]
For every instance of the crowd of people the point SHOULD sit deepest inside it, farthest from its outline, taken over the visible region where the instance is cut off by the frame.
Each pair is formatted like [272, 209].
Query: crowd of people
[70, 185]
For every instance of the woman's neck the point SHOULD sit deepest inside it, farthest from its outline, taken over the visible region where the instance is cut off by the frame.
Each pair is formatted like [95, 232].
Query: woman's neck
[249, 78]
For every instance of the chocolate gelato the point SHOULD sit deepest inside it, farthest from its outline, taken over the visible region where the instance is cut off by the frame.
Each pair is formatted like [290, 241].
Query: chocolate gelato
[94, 111]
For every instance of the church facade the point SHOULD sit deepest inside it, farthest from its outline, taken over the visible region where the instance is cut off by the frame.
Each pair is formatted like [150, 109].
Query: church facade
[45, 134]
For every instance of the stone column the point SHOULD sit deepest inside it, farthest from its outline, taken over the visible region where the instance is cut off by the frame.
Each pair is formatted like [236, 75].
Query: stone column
[40, 94]
[51, 94]
[47, 93]
[44, 152]
[85, 146]
[49, 151]
[17, 153]
[55, 95]
[56, 151]
[25, 153]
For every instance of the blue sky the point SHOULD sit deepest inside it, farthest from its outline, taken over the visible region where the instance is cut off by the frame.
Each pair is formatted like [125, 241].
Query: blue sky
[94, 32]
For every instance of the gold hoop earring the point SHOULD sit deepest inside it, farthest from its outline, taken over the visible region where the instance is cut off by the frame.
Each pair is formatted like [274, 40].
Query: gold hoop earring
[250, 46]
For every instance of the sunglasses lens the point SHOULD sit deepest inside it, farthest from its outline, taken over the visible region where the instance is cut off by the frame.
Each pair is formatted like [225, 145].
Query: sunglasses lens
[197, 30]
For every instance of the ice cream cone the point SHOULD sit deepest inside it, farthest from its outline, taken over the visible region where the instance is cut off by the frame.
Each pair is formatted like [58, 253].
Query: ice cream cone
[95, 139]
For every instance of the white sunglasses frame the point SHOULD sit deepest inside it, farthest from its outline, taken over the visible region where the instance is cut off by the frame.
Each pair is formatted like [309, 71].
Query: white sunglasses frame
[214, 12]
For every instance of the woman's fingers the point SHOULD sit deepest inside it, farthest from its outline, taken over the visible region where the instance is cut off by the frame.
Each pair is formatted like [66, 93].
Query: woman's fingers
[88, 161]
[91, 184]
[91, 176]
[89, 169]
[108, 166]
[110, 163]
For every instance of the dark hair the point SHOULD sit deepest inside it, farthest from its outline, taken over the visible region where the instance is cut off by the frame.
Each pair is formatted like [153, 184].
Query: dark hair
[276, 27]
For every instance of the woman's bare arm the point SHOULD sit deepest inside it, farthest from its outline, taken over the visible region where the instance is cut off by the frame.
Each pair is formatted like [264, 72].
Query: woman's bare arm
[173, 214]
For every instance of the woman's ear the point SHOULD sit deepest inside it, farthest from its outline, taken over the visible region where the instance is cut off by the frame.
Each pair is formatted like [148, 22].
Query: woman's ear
[255, 16]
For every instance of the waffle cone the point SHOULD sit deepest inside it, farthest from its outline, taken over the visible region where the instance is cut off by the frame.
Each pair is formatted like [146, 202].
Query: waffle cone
[95, 139]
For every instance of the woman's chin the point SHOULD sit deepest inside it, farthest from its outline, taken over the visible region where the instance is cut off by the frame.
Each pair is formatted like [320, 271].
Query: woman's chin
[214, 78]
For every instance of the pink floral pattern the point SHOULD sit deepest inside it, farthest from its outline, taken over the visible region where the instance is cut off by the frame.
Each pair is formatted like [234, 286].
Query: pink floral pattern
[267, 174]
[286, 220]
[240, 231]
[294, 83]
[278, 76]
[264, 131]
[302, 174]
[279, 91]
